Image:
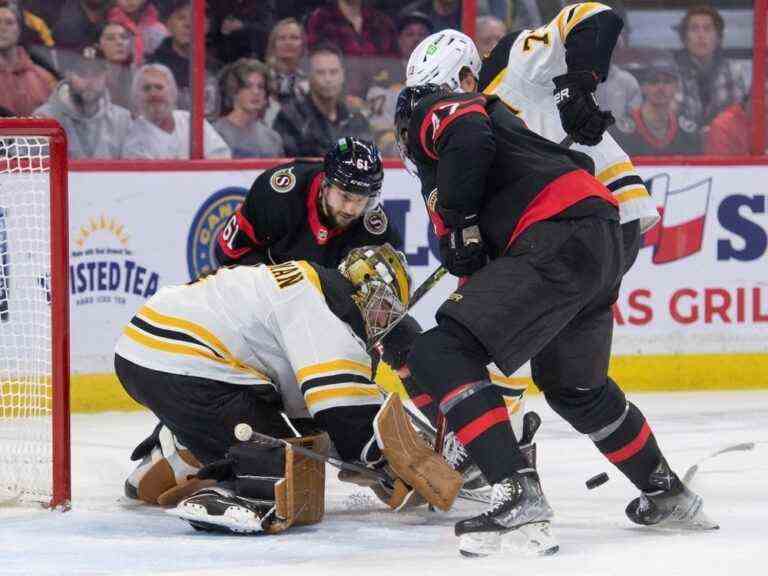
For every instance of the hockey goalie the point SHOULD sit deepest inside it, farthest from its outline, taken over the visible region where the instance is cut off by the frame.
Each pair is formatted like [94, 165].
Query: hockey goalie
[282, 351]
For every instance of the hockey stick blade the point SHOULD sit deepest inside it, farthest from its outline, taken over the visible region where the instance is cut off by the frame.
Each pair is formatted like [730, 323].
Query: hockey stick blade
[741, 447]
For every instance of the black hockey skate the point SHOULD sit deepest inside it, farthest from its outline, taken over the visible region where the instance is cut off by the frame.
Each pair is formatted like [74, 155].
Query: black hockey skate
[219, 509]
[672, 506]
[517, 521]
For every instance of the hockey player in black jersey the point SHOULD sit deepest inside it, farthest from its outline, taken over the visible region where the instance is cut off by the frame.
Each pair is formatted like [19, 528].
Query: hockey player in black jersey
[539, 238]
[547, 77]
[311, 210]
[317, 211]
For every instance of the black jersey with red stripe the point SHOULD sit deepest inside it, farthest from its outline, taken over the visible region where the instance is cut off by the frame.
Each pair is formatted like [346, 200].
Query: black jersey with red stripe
[474, 156]
[281, 219]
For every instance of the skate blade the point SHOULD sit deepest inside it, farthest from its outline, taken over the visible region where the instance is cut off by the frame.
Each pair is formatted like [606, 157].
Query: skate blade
[699, 523]
[535, 539]
[234, 520]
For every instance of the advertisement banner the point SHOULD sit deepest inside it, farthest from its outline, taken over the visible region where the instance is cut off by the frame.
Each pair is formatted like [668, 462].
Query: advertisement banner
[698, 287]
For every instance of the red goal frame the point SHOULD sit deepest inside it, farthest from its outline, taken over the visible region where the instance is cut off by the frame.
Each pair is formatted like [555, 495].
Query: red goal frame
[59, 213]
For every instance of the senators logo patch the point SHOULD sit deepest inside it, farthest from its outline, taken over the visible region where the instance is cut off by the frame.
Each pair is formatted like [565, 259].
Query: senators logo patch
[375, 221]
[283, 180]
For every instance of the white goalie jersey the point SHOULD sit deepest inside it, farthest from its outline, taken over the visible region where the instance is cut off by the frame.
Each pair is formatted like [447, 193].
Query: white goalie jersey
[520, 71]
[256, 326]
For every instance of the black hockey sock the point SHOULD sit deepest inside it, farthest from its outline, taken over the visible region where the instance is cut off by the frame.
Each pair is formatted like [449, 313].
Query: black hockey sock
[477, 414]
[421, 399]
[630, 445]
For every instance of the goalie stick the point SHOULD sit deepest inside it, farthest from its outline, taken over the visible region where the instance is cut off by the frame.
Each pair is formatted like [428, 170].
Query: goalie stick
[417, 295]
[272, 442]
[247, 434]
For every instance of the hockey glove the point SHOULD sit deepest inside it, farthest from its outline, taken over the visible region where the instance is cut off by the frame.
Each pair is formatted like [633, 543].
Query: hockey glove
[399, 341]
[462, 250]
[580, 116]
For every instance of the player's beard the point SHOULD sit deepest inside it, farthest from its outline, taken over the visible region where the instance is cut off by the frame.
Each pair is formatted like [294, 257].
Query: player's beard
[329, 219]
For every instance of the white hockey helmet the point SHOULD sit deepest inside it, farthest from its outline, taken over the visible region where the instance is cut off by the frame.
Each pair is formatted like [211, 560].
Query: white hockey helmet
[440, 58]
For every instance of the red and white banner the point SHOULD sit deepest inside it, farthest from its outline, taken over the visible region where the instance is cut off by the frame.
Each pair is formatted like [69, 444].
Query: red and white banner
[680, 231]
[699, 286]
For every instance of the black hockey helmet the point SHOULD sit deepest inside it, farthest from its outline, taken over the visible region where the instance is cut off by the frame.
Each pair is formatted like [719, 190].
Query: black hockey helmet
[407, 101]
[354, 165]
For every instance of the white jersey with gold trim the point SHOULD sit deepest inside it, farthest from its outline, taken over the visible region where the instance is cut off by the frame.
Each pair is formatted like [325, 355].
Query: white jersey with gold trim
[255, 326]
[524, 83]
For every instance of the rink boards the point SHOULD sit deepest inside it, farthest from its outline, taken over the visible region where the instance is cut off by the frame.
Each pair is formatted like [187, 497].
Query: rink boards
[692, 314]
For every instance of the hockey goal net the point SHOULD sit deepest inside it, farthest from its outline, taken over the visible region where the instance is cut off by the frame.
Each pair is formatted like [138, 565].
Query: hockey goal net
[34, 315]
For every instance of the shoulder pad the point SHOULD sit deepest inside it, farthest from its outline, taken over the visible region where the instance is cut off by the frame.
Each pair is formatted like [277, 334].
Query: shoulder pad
[496, 61]
[687, 125]
[283, 180]
[375, 221]
[440, 113]
[288, 177]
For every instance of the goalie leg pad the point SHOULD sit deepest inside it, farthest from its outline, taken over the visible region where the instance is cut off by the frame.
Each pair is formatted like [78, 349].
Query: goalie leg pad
[165, 466]
[261, 489]
[412, 460]
[300, 496]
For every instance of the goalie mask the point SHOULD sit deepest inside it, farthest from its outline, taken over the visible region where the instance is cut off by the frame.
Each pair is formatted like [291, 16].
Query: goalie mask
[380, 275]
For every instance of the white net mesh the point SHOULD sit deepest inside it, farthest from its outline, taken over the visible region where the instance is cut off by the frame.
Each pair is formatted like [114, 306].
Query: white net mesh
[25, 321]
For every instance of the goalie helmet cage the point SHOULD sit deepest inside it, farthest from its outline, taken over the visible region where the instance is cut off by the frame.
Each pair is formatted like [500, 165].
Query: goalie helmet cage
[34, 313]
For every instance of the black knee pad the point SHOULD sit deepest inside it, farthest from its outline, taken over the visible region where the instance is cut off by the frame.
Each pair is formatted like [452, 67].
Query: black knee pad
[588, 410]
[446, 356]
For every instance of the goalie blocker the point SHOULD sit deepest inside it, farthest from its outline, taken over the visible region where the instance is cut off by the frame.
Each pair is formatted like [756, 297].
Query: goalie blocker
[271, 488]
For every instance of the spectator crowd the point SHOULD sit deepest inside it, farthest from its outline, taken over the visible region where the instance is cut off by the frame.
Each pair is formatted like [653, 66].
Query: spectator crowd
[290, 77]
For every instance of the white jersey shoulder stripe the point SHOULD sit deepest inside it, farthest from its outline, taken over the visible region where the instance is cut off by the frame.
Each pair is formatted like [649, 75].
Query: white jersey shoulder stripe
[332, 368]
[164, 321]
[188, 349]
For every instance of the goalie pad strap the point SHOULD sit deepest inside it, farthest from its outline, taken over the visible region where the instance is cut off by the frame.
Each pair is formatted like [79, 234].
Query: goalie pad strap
[412, 460]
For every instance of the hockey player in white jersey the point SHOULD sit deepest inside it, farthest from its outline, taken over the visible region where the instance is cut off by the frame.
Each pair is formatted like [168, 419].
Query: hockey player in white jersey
[547, 77]
[281, 349]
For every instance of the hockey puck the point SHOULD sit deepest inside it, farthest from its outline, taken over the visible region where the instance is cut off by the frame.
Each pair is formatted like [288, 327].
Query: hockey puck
[597, 480]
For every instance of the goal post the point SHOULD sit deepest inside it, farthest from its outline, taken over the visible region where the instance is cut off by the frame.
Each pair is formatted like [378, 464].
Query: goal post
[34, 313]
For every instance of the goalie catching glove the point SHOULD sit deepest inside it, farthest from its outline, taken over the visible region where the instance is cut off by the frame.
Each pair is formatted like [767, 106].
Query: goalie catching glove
[411, 459]
[411, 472]
[260, 489]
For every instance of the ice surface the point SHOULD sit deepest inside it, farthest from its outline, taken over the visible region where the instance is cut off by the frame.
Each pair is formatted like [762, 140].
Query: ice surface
[104, 535]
